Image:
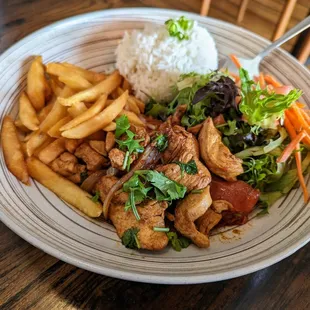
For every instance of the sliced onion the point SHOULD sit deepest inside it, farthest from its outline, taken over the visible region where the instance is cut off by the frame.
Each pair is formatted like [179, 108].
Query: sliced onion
[148, 159]
[112, 171]
[89, 183]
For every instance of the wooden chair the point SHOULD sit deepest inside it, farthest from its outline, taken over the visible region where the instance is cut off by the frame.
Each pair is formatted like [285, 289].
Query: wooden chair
[285, 17]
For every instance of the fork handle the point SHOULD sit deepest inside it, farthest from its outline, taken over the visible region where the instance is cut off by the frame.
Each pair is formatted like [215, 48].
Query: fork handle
[304, 24]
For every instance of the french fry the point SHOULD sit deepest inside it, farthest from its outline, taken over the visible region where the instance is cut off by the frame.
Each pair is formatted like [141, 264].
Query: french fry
[131, 103]
[12, 151]
[98, 146]
[133, 118]
[63, 188]
[126, 85]
[93, 93]
[47, 90]
[48, 141]
[109, 141]
[77, 109]
[110, 127]
[46, 110]
[77, 82]
[56, 85]
[57, 113]
[54, 131]
[20, 126]
[52, 151]
[35, 141]
[99, 121]
[139, 103]
[91, 112]
[91, 76]
[27, 113]
[72, 144]
[36, 84]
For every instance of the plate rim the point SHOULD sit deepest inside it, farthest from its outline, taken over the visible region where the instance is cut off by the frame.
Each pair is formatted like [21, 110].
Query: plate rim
[126, 275]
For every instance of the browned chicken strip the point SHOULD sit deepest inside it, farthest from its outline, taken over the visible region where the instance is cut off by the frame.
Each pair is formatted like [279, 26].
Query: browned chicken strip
[93, 160]
[216, 155]
[105, 184]
[152, 215]
[207, 221]
[191, 181]
[117, 158]
[188, 211]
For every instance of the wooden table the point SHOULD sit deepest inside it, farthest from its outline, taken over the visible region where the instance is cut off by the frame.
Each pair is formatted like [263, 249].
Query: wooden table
[31, 279]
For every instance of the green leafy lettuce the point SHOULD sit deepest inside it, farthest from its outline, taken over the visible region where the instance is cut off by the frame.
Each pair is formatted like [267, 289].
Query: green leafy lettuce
[260, 107]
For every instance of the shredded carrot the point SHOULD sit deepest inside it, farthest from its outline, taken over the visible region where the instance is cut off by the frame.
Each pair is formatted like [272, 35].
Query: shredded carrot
[271, 80]
[291, 147]
[300, 105]
[262, 81]
[306, 116]
[300, 175]
[291, 116]
[301, 120]
[235, 60]
[235, 76]
[291, 131]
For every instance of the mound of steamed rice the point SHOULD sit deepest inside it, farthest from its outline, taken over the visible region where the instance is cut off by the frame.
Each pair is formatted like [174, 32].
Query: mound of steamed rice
[152, 60]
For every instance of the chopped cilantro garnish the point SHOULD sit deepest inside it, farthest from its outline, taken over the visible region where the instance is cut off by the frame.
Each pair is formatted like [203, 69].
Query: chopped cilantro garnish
[180, 28]
[96, 197]
[178, 243]
[161, 142]
[189, 168]
[130, 238]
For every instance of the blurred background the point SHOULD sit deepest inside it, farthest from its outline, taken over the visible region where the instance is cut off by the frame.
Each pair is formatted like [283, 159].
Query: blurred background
[268, 18]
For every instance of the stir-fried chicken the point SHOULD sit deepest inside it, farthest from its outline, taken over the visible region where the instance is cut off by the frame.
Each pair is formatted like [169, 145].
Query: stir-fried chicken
[152, 215]
[72, 144]
[191, 181]
[188, 211]
[141, 133]
[183, 147]
[93, 160]
[117, 158]
[67, 165]
[216, 155]
[208, 221]
[105, 184]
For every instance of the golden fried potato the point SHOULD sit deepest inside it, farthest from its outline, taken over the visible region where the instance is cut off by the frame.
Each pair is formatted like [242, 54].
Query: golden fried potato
[36, 84]
[55, 132]
[20, 126]
[46, 110]
[109, 141]
[63, 188]
[77, 109]
[57, 113]
[12, 151]
[71, 144]
[75, 82]
[133, 118]
[131, 103]
[91, 76]
[99, 121]
[93, 93]
[35, 140]
[110, 127]
[91, 112]
[52, 151]
[27, 113]
[56, 85]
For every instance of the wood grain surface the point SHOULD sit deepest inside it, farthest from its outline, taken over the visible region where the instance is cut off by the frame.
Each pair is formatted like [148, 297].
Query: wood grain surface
[31, 279]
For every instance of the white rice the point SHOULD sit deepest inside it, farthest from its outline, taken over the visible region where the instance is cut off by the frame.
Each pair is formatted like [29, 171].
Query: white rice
[152, 60]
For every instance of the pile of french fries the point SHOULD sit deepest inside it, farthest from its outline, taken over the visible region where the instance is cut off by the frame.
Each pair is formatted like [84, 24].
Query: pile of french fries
[63, 105]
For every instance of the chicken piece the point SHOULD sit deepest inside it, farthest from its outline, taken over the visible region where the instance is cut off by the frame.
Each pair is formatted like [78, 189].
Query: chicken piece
[188, 210]
[191, 181]
[105, 184]
[240, 196]
[72, 144]
[117, 158]
[67, 165]
[178, 114]
[221, 205]
[208, 221]
[216, 155]
[93, 160]
[141, 133]
[152, 215]
[182, 145]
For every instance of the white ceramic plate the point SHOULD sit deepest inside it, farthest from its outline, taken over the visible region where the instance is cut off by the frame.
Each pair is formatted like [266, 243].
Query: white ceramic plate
[45, 221]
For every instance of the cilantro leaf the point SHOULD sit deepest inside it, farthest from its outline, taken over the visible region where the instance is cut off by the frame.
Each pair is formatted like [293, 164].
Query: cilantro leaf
[122, 125]
[130, 238]
[260, 107]
[96, 197]
[161, 142]
[180, 28]
[189, 168]
[178, 243]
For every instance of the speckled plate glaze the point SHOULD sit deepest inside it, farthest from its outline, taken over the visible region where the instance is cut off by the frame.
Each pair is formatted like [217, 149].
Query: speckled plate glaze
[45, 221]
